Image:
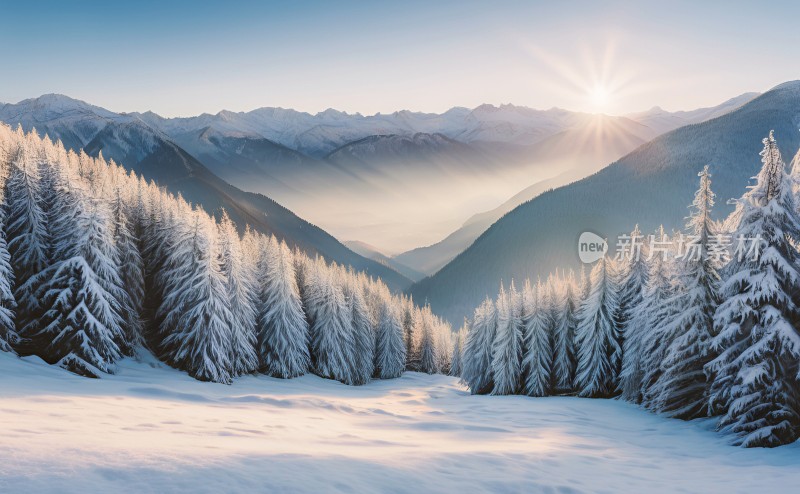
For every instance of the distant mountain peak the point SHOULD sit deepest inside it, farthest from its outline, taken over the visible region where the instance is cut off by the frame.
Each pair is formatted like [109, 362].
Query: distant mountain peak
[330, 112]
[485, 108]
[54, 101]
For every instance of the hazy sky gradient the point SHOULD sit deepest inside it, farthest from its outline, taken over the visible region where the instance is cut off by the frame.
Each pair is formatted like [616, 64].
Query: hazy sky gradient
[186, 58]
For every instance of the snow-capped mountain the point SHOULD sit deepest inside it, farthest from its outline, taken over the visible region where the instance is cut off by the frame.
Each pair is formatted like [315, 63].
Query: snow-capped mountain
[649, 187]
[318, 135]
[74, 122]
[389, 164]
[132, 142]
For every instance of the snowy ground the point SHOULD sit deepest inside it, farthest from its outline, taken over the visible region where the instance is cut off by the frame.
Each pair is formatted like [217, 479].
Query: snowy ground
[156, 430]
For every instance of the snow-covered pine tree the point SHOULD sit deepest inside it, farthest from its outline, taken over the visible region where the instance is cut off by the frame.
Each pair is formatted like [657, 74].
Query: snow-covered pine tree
[64, 200]
[314, 275]
[332, 337]
[507, 346]
[138, 210]
[681, 389]
[755, 380]
[538, 323]
[409, 319]
[564, 351]
[477, 371]
[634, 285]
[8, 334]
[131, 273]
[283, 337]
[428, 359]
[597, 335]
[363, 364]
[657, 310]
[638, 327]
[374, 297]
[390, 359]
[157, 247]
[27, 234]
[240, 287]
[81, 322]
[632, 278]
[195, 313]
[443, 339]
[460, 337]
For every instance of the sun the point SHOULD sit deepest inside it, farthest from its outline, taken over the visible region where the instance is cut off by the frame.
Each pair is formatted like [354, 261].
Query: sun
[599, 96]
[592, 80]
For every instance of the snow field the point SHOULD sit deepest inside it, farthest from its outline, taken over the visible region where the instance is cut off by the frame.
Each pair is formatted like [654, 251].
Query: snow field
[153, 429]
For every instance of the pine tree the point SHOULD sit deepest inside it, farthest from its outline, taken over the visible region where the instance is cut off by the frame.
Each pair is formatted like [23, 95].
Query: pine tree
[8, 335]
[507, 345]
[538, 323]
[635, 285]
[564, 351]
[390, 358]
[283, 337]
[196, 317]
[457, 365]
[415, 340]
[681, 388]
[597, 335]
[477, 372]
[443, 340]
[81, 322]
[332, 337]
[408, 334]
[363, 364]
[428, 361]
[28, 241]
[240, 287]
[655, 312]
[633, 281]
[754, 380]
[131, 273]
[157, 246]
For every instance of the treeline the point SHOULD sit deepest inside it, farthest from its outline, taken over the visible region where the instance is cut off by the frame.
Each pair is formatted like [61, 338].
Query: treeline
[688, 336]
[97, 264]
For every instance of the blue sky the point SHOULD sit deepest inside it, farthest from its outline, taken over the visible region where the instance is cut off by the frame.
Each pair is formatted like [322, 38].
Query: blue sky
[186, 58]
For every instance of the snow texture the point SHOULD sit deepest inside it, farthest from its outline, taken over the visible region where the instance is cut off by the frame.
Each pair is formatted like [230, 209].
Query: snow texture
[154, 429]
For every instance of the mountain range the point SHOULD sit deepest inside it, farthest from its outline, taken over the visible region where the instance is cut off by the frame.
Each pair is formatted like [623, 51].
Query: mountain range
[651, 186]
[408, 178]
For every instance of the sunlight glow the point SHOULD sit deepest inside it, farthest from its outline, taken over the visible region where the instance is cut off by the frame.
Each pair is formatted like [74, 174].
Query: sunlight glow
[595, 79]
[599, 97]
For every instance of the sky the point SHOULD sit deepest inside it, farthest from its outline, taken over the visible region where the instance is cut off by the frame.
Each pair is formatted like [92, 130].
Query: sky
[183, 58]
